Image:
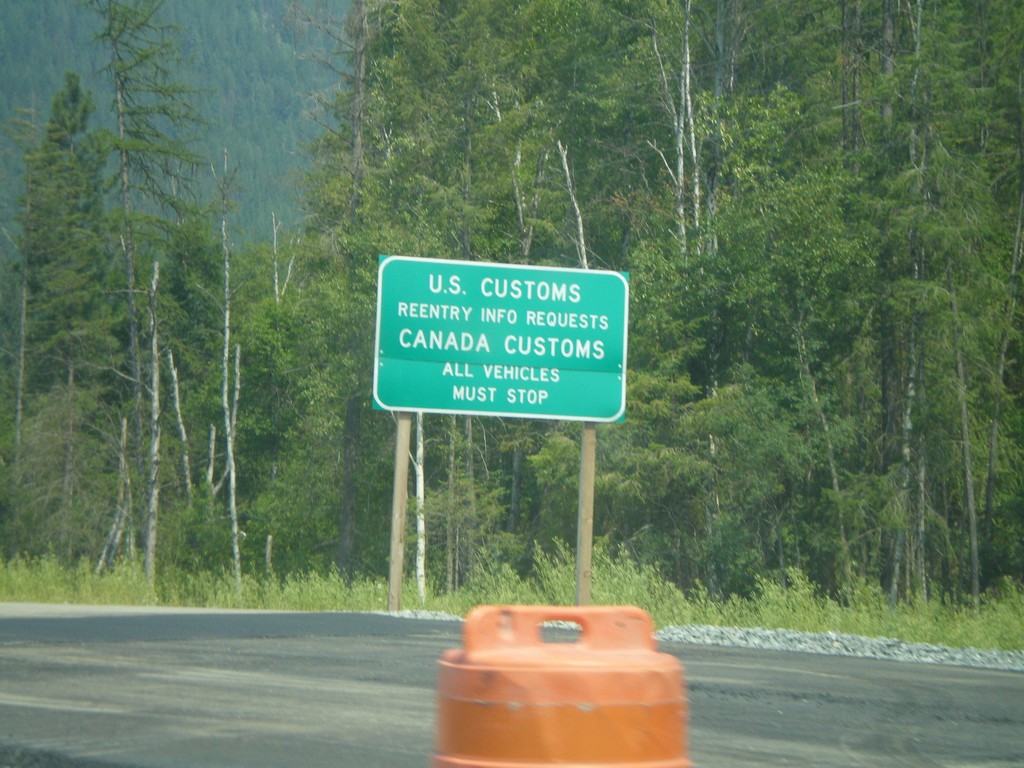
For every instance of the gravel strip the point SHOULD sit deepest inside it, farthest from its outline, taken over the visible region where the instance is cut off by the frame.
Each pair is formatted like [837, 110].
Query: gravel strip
[827, 643]
[839, 644]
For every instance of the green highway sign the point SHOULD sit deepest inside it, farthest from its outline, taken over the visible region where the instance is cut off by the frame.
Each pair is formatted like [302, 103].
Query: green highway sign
[500, 339]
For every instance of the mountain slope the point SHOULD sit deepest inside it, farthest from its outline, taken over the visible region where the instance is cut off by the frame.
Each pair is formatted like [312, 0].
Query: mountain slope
[253, 78]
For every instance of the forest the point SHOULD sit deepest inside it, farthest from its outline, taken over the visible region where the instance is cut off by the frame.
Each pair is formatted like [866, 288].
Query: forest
[819, 204]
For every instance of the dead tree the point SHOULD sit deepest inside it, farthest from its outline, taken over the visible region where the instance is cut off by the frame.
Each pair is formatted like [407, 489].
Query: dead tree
[570, 187]
[186, 463]
[229, 406]
[153, 480]
[118, 528]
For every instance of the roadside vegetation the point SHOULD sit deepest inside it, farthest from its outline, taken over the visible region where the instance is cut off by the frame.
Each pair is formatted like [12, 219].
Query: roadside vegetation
[997, 623]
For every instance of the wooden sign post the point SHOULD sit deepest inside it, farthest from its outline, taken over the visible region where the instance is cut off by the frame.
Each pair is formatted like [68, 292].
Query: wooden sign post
[585, 513]
[399, 503]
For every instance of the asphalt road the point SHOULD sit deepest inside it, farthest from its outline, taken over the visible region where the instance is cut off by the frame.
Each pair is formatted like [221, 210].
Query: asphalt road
[152, 688]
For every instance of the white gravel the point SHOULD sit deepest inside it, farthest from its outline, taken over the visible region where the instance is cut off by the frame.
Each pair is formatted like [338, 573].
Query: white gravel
[828, 643]
[839, 644]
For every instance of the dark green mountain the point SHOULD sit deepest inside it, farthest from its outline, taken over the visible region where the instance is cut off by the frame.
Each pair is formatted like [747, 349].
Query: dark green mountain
[252, 70]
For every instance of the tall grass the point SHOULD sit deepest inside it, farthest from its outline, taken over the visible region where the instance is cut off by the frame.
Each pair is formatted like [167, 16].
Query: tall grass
[997, 623]
[45, 580]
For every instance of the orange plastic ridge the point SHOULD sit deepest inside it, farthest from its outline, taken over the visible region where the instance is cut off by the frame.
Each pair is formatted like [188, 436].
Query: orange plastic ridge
[508, 699]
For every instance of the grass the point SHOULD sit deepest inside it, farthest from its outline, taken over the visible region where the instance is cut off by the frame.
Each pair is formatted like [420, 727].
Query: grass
[998, 623]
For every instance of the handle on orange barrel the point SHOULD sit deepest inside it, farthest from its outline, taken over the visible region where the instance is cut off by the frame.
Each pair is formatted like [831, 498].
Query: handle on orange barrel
[603, 628]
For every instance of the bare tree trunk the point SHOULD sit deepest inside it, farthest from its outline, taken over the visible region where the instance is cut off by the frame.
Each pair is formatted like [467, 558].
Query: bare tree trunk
[687, 87]
[524, 216]
[229, 425]
[153, 482]
[679, 108]
[211, 462]
[232, 420]
[230, 411]
[277, 288]
[588, 439]
[676, 170]
[112, 547]
[570, 187]
[186, 463]
[421, 520]
[909, 401]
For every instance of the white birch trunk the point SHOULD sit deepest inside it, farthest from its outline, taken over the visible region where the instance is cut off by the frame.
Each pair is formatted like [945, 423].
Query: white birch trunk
[186, 462]
[230, 408]
[211, 463]
[687, 78]
[236, 554]
[153, 482]
[677, 169]
[277, 289]
[523, 217]
[124, 503]
[279, 286]
[678, 103]
[581, 243]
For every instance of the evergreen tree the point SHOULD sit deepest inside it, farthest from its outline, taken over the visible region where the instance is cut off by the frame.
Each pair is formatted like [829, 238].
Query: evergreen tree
[153, 116]
[68, 332]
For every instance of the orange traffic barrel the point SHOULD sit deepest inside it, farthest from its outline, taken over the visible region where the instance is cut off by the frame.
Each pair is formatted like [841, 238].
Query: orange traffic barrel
[510, 699]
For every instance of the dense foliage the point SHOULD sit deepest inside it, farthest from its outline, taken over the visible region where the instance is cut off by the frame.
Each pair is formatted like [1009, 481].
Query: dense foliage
[819, 205]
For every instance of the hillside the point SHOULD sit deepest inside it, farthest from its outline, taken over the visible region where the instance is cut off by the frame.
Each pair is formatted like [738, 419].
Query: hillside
[253, 77]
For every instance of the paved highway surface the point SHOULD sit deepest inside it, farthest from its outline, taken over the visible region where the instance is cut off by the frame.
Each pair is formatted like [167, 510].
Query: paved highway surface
[153, 688]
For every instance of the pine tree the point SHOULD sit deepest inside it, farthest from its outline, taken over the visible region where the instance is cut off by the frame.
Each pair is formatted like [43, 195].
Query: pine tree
[68, 326]
[153, 115]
